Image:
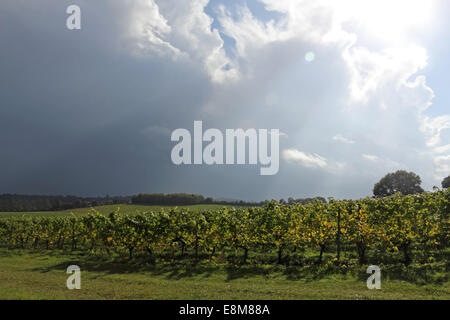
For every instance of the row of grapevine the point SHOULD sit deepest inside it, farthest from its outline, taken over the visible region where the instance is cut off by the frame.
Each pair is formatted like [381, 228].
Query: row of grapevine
[397, 223]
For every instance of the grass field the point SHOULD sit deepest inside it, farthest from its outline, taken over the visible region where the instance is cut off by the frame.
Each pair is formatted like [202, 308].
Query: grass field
[40, 274]
[124, 208]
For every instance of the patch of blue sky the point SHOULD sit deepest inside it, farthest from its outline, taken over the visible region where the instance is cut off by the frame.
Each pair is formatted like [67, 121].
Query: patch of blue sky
[256, 7]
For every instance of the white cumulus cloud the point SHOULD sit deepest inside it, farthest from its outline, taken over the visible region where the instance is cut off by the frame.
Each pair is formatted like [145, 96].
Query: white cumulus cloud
[342, 139]
[371, 157]
[309, 160]
[180, 30]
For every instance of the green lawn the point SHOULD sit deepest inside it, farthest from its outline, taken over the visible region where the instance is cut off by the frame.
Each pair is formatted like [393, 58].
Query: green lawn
[28, 274]
[124, 208]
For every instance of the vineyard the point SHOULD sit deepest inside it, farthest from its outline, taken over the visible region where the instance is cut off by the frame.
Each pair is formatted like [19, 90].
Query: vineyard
[397, 229]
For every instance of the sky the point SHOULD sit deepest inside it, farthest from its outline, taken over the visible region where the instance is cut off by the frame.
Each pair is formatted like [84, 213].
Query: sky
[357, 88]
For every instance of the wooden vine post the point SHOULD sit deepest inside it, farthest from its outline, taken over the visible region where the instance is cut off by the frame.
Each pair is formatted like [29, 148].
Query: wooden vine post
[338, 236]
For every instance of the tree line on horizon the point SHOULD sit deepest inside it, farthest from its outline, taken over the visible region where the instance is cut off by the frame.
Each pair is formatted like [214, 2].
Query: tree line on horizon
[184, 199]
[33, 203]
[406, 183]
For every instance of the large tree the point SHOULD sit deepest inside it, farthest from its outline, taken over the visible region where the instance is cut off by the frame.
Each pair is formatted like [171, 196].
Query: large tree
[446, 183]
[400, 181]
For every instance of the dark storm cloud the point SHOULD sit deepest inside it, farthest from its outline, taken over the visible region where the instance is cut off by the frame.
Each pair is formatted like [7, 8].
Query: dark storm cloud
[74, 108]
[78, 114]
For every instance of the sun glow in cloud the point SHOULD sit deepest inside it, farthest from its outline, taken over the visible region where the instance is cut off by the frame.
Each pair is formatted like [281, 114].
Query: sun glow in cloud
[386, 19]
